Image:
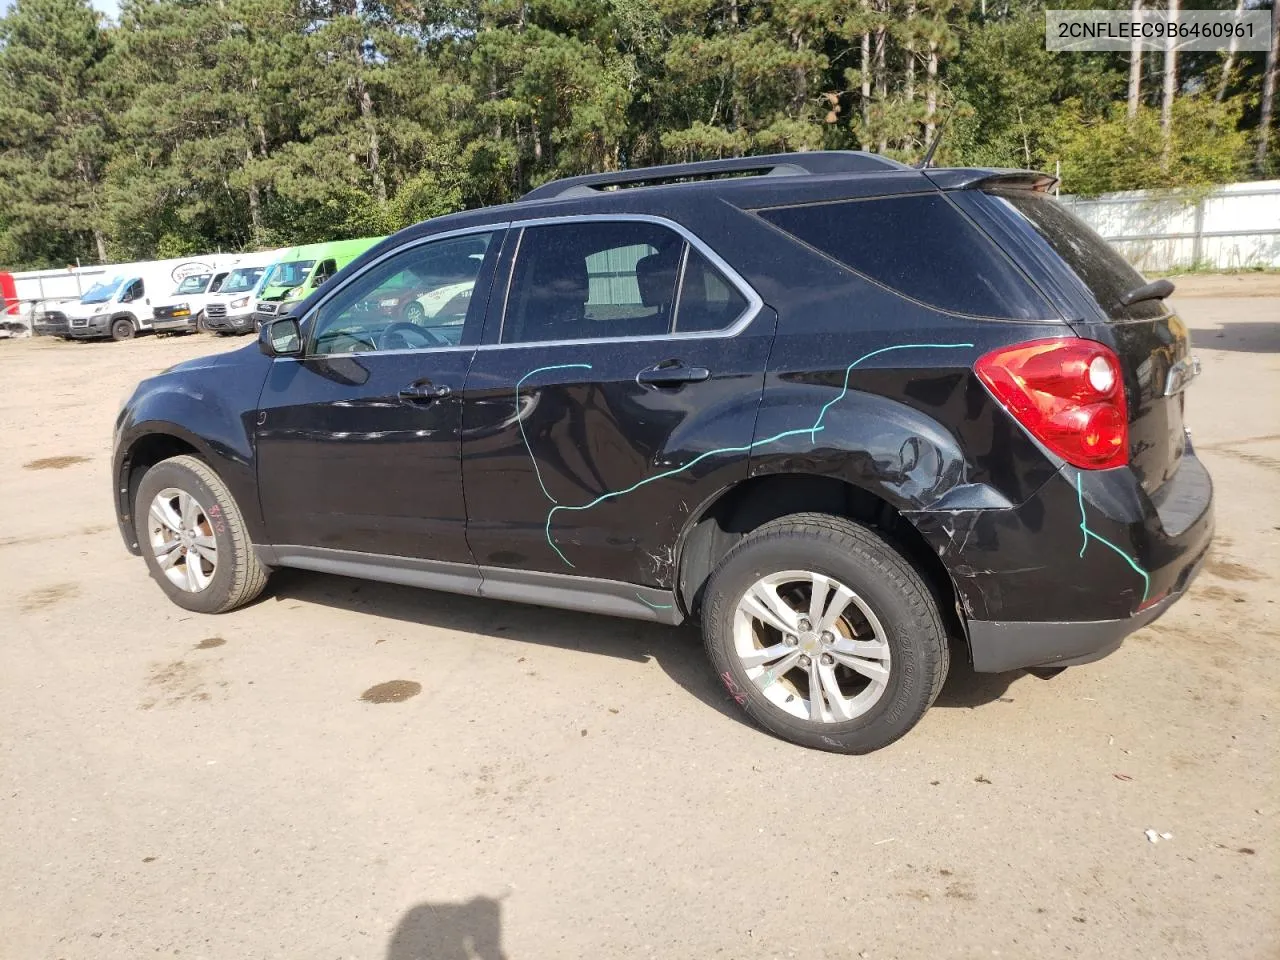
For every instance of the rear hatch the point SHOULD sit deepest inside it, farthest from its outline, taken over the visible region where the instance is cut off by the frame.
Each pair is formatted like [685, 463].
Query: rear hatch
[1095, 286]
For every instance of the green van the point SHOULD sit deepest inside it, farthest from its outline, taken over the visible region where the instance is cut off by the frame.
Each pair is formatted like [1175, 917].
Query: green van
[300, 270]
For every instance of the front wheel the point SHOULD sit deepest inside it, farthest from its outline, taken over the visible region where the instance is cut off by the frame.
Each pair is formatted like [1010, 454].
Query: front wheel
[194, 539]
[122, 329]
[824, 634]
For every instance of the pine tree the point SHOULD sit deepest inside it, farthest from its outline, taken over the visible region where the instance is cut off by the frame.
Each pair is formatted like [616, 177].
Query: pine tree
[53, 133]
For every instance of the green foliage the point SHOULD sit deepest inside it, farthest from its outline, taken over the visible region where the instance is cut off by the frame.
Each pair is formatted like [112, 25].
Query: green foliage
[195, 125]
[53, 136]
[1111, 152]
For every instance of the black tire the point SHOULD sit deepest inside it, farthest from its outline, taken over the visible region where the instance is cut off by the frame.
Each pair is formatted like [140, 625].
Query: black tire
[122, 329]
[882, 578]
[238, 576]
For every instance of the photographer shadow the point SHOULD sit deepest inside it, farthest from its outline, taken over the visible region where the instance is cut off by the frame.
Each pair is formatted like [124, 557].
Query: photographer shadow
[471, 930]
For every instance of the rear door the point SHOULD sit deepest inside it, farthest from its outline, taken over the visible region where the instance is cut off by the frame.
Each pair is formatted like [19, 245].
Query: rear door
[616, 390]
[1150, 339]
[358, 441]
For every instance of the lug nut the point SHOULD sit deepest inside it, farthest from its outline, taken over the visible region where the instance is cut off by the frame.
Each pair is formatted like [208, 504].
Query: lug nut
[828, 636]
[805, 624]
[790, 641]
[804, 661]
[828, 660]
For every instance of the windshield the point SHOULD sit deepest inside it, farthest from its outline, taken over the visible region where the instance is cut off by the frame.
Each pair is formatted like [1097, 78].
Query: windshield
[195, 283]
[102, 292]
[242, 280]
[290, 274]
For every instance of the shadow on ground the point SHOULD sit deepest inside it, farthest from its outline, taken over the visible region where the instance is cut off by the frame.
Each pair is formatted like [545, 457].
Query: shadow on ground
[677, 650]
[1239, 337]
[450, 931]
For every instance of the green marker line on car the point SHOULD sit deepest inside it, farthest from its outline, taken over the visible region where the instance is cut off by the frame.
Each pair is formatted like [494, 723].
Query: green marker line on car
[1084, 529]
[745, 448]
[520, 419]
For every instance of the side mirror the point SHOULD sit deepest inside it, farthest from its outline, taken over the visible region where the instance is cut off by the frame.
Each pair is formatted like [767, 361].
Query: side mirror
[280, 338]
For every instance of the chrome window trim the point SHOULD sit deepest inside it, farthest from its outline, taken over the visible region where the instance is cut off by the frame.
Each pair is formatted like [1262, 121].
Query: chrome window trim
[411, 245]
[754, 302]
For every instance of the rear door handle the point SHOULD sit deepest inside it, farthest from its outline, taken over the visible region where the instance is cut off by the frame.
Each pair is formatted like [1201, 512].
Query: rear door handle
[671, 373]
[424, 392]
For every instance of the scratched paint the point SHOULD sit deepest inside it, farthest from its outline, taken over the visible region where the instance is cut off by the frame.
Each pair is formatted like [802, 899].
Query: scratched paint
[811, 431]
[1087, 533]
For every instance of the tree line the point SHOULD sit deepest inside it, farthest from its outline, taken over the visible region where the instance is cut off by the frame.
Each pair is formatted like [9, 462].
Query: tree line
[194, 125]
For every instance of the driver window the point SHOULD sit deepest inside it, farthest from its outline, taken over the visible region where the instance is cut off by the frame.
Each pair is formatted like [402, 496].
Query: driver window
[415, 300]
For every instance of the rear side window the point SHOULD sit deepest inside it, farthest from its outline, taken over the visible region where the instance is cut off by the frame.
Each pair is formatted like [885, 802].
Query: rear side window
[610, 279]
[1099, 265]
[919, 246]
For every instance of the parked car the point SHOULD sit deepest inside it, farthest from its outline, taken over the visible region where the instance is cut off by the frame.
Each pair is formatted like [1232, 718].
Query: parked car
[301, 271]
[840, 411]
[231, 310]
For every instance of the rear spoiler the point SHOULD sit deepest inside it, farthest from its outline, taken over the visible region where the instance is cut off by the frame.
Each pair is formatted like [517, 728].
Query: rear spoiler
[977, 178]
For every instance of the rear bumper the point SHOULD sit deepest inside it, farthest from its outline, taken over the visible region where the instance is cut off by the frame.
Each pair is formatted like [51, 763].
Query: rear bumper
[1064, 577]
[997, 646]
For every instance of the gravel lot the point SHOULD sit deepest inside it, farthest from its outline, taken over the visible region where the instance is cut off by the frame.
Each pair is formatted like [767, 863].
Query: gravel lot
[348, 769]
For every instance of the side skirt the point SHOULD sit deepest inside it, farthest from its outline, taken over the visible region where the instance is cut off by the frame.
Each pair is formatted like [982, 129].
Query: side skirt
[589, 594]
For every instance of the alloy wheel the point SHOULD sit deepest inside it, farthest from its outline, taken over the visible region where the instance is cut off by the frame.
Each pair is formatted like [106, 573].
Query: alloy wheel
[812, 646]
[182, 540]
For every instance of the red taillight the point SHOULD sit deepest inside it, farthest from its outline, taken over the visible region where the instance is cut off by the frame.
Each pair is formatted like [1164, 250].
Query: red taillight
[1068, 394]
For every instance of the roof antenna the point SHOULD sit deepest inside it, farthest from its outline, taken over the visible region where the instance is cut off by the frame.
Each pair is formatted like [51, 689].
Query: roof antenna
[937, 139]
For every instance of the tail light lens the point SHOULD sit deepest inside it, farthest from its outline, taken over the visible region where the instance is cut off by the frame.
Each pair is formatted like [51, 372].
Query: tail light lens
[1068, 393]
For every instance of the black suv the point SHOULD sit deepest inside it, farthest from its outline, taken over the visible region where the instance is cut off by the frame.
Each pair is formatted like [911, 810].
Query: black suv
[837, 409]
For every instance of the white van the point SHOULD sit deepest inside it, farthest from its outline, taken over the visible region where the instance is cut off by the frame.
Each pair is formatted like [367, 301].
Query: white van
[183, 310]
[120, 305]
[231, 309]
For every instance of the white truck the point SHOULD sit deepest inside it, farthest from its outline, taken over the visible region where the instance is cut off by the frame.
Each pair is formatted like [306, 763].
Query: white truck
[120, 305]
[231, 309]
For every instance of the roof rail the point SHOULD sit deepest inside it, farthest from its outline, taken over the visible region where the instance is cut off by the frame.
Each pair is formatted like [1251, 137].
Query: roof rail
[771, 165]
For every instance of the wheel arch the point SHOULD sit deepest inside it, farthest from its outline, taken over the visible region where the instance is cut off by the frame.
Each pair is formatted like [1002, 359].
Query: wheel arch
[733, 512]
[152, 443]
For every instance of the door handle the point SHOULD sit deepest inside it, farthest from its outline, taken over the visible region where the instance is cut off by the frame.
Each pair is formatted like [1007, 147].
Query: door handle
[424, 392]
[671, 373]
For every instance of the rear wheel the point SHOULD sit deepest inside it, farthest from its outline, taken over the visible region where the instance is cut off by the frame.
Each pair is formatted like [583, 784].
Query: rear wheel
[824, 634]
[122, 329]
[193, 537]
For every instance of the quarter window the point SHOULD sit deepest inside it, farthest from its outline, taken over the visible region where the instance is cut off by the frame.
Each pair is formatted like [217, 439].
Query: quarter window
[918, 245]
[708, 301]
[417, 299]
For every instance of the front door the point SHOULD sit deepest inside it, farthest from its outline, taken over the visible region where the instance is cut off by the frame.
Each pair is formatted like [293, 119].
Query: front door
[358, 440]
[614, 393]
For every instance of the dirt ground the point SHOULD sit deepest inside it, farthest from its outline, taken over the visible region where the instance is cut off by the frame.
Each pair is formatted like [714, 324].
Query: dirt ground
[352, 770]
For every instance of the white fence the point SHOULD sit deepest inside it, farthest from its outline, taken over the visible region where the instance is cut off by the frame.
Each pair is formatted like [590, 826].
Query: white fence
[1227, 228]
